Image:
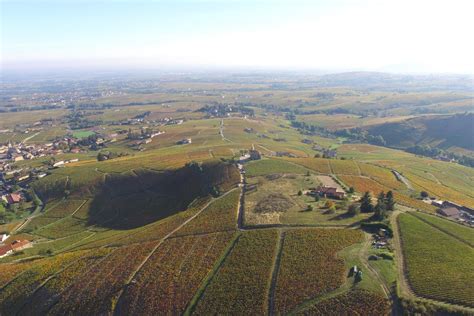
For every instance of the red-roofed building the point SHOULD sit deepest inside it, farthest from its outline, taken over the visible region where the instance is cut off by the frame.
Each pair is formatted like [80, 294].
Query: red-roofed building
[13, 198]
[5, 250]
[21, 244]
[16, 245]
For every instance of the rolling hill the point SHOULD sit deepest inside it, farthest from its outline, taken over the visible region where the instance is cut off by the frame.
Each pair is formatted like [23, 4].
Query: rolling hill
[443, 132]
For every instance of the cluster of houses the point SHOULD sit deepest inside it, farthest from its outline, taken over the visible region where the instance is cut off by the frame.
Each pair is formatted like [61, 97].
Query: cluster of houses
[455, 211]
[327, 192]
[13, 152]
[144, 138]
[142, 120]
[7, 249]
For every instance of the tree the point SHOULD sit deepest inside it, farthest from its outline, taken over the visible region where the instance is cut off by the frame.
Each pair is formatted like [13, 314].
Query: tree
[366, 203]
[351, 190]
[329, 204]
[424, 194]
[389, 201]
[300, 192]
[316, 198]
[353, 210]
[380, 207]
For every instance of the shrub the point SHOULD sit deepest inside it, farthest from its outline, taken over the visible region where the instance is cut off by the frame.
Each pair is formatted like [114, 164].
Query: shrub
[353, 210]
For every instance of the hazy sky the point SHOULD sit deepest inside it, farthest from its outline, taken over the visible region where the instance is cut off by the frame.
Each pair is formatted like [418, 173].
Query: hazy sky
[398, 35]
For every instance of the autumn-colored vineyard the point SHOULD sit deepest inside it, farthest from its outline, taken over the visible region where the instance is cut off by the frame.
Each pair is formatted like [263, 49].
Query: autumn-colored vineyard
[361, 184]
[309, 267]
[42, 300]
[319, 165]
[243, 278]
[13, 296]
[225, 209]
[95, 291]
[347, 167]
[356, 302]
[167, 282]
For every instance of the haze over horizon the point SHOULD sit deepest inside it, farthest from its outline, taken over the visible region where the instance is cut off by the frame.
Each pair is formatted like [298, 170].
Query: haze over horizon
[369, 35]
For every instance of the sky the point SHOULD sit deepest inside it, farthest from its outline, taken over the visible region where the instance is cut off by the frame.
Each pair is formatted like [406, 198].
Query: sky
[414, 36]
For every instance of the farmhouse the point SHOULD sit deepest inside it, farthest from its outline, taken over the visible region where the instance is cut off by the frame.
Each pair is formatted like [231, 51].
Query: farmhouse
[16, 245]
[450, 212]
[12, 198]
[325, 191]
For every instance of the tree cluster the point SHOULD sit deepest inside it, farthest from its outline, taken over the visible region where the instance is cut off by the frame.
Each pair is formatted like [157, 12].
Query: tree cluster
[385, 203]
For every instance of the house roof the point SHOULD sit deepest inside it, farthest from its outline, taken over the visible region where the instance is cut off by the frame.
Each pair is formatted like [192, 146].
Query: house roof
[330, 190]
[19, 243]
[5, 249]
[450, 211]
[14, 198]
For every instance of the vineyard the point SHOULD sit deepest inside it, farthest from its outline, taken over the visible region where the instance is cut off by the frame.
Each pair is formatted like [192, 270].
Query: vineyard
[270, 166]
[42, 300]
[347, 167]
[225, 209]
[64, 208]
[13, 296]
[381, 175]
[309, 267]
[241, 285]
[441, 191]
[10, 271]
[61, 228]
[95, 291]
[355, 302]
[454, 229]
[439, 266]
[361, 185]
[167, 282]
[319, 165]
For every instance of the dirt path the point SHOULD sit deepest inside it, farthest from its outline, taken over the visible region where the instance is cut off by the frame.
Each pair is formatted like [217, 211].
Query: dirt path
[272, 153]
[402, 279]
[274, 274]
[401, 178]
[434, 178]
[29, 137]
[363, 257]
[159, 243]
[221, 132]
